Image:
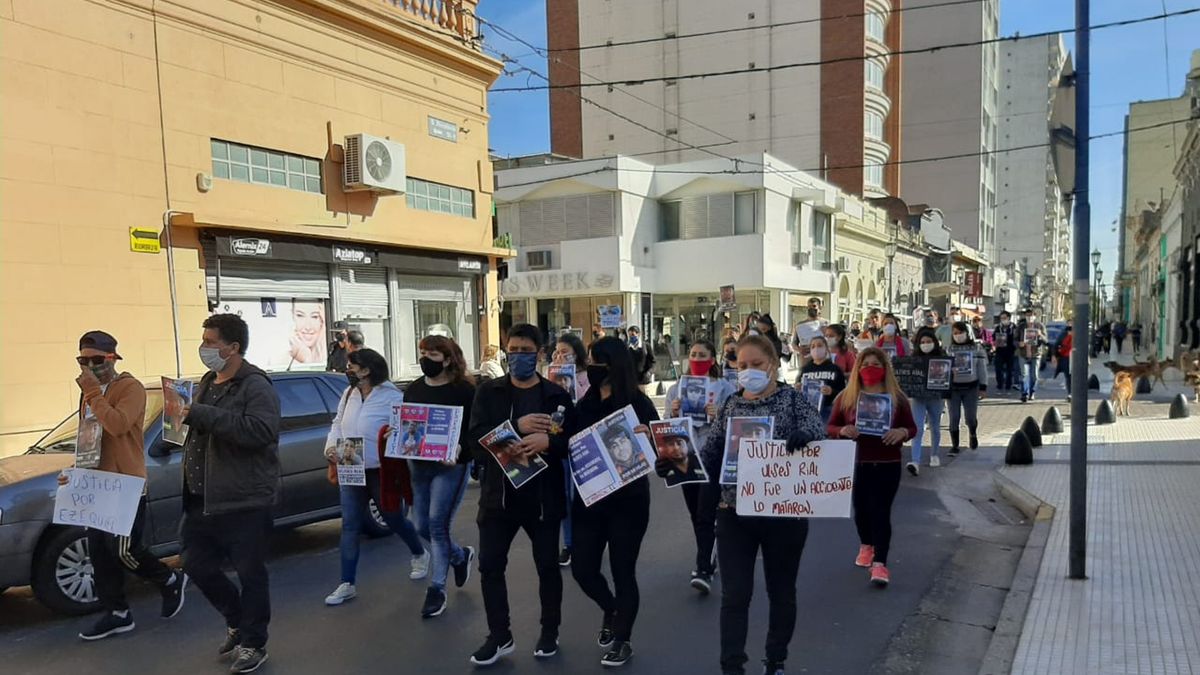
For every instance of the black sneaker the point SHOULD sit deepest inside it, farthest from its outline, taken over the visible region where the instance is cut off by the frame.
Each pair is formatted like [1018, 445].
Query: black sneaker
[773, 668]
[492, 650]
[618, 656]
[974, 442]
[233, 640]
[547, 645]
[435, 603]
[564, 558]
[172, 594]
[462, 571]
[605, 638]
[1024, 398]
[954, 452]
[248, 660]
[110, 624]
[702, 581]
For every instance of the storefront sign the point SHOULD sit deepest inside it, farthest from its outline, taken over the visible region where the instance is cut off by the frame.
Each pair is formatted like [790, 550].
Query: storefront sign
[469, 265]
[254, 248]
[549, 283]
[143, 241]
[351, 255]
[447, 131]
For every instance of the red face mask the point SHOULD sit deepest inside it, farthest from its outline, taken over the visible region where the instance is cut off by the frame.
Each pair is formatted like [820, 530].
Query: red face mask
[700, 368]
[871, 375]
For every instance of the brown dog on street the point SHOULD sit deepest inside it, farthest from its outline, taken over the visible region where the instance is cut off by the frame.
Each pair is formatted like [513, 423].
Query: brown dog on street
[1122, 393]
[1152, 369]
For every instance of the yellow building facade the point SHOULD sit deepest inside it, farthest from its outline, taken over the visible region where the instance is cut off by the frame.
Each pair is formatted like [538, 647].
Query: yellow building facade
[218, 131]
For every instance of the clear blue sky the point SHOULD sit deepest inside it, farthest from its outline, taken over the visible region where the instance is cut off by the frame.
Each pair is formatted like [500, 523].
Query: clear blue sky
[1129, 63]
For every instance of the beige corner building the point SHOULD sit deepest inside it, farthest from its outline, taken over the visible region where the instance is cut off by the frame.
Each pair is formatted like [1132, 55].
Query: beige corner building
[298, 162]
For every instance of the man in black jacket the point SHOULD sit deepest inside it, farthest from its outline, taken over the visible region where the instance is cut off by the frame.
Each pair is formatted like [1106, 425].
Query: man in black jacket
[230, 481]
[527, 400]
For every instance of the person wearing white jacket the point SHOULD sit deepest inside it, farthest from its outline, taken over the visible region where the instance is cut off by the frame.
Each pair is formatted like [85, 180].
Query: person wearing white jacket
[365, 408]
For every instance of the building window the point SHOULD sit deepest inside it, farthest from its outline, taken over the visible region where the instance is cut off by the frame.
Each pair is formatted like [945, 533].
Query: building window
[248, 164]
[873, 124]
[873, 175]
[670, 220]
[723, 214]
[876, 23]
[822, 224]
[743, 213]
[427, 196]
[874, 73]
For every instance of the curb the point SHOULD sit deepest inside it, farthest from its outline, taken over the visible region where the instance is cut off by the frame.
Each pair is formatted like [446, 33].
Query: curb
[1002, 650]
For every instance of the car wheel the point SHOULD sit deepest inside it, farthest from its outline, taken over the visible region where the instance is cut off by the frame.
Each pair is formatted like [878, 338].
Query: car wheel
[63, 577]
[374, 526]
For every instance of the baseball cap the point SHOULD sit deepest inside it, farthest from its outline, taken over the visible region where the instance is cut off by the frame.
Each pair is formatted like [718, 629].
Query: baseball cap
[99, 340]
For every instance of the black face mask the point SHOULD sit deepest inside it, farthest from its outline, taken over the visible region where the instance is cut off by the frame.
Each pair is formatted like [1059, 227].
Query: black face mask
[731, 356]
[430, 367]
[352, 379]
[597, 375]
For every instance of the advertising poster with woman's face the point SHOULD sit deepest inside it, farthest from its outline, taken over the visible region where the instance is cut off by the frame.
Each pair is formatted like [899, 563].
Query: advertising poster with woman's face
[293, 336]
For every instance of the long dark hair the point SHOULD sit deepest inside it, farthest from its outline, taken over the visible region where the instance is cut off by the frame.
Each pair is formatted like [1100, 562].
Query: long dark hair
[455, 363]
[962, 327]
[839, 330]
[572, 340]
[372, 361]
[716, 369]
[611, 352]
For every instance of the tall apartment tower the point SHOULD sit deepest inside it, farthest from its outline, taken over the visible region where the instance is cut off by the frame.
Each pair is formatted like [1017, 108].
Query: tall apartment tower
[1032, 211]
[950, 108]
[839, 120]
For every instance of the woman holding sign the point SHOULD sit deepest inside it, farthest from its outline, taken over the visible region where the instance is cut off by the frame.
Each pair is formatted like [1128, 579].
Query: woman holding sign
[876, 414]
[740, 538]
[969, 383]
[438, 487]
[822, 376]
[700, 498]
[619, 521]
[926, 396]
[366, 408]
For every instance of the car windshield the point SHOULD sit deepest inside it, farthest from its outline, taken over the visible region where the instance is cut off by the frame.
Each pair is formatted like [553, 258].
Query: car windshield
[62, 437]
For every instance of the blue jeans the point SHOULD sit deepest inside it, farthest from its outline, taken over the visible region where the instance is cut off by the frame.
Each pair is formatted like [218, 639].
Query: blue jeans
[926, 409]
[566, 523]
[354, 512]
[1029, 375]
[438, 491]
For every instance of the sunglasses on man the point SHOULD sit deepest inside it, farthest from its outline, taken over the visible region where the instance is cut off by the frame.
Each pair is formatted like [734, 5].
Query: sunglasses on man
[93, 360]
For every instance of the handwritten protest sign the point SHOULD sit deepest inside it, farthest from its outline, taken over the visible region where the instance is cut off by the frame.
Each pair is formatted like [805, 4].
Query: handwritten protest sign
[99, 500]
[813, 482]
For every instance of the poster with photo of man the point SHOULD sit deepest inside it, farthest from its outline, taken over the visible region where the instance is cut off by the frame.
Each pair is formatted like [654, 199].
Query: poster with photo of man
[609, 455]
[518, 467]
[676, 447]
[694, 397]
[736, 429]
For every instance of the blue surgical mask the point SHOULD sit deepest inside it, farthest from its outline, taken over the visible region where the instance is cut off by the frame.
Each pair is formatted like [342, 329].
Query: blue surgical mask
[753, 380]
[522, 365]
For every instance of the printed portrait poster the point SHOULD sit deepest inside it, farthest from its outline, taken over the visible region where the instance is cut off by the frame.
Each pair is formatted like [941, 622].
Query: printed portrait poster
[610, 316]
[728, 299]
[694, 395]
[88, 439]
[424, 432]
[177, 394]
[519, 469]
[608, 455]
[564, 376]
[730, 375]
[810, 389]
[873, 416]
[939, 375]
[815, 481]
[737, 428]
[350, 467]
[295, 336]
[964, 362]
[674, 442]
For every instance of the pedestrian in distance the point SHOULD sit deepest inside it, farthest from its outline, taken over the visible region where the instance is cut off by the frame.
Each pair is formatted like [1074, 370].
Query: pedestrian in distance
[230, 484]
[642, 356]
[491, 367]
[891, 342]
[117, 403]
[701, 498]
[877, 463]
[927, 404]
[527, 400]
[968, 384]
[570, 350]
[741, 538]
[766, 328]
[1031, 337]
[338, 349]
[824, 370]
[619, 521]
[439, 487]
[1004, 340]
[840, 350]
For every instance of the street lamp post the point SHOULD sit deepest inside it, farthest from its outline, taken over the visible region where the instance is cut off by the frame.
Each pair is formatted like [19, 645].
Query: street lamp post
[1099, 290]
[1096, 285]
[889, 250]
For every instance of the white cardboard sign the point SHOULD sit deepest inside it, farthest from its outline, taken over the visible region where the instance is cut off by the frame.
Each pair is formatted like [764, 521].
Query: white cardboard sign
[814, 482]
[99, 500]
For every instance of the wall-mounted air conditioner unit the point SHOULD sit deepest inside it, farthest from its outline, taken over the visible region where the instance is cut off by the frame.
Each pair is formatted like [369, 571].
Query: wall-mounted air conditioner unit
[537, 260]
[801, 258]
[843, 264]
[373, 164]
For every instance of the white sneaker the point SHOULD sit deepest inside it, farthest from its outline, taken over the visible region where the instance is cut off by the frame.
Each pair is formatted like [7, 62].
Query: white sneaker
[420, 566]
[934, 461]
[342, 593]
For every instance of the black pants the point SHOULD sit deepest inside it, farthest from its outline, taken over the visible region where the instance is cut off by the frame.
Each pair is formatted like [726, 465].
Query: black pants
[496, 532]
[619, 527]
[701, 500]
[1006, 365]
[739, 540]
[241, 538]
[113, 555]
[875, 486]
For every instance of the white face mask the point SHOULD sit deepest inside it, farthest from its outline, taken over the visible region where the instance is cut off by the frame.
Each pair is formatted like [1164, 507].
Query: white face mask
[212, 359]
[927, 347]
[960, 338]
[889, 329]
[753, 380]
[1005, 322]
[819, 353]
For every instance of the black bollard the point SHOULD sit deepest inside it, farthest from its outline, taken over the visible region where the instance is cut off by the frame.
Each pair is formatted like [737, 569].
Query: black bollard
[1105, 413]
[662, 391]
[1094, 382]
[1179, 407]
[1052, 421]
[1019, 451]
[1030, 427]
[1144, 386]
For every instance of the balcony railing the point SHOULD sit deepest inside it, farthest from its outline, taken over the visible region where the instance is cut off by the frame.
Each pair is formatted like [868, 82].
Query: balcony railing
[454, 16]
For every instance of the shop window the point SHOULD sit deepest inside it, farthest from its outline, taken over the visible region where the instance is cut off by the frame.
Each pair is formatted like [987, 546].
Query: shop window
[248, 164]
[427, 196]
[436, 317]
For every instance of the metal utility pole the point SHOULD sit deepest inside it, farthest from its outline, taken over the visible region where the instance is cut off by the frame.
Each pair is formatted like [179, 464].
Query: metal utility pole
[1077, 551]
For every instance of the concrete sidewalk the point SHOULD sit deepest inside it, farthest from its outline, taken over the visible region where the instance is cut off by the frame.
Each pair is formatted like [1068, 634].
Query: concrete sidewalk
[1139, 609]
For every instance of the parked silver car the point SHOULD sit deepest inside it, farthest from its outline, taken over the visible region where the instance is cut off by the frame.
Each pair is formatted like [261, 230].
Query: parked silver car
[54, 558]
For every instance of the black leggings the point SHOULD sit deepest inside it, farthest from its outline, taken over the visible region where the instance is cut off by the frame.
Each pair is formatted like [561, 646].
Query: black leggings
[875, 486]
[621, 530]
[701, 500]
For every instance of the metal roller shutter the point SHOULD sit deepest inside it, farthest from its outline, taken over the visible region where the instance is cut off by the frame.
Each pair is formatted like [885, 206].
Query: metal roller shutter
[362, 292]
[447, 289]
[264, 278]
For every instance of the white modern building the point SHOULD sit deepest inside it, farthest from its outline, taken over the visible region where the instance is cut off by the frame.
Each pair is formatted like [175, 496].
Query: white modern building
[659, 241]
[1032, 211]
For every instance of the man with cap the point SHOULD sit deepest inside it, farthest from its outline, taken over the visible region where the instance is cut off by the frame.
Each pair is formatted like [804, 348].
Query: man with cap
[338, 349]
[118, 403]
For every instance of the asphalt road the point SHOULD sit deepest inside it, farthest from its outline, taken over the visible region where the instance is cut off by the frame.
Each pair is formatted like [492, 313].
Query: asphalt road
[844, 624]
